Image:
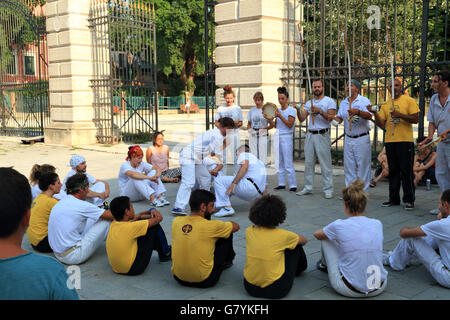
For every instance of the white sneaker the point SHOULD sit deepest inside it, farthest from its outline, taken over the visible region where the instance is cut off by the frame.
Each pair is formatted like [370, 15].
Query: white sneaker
[386, 257]
[164, 201]
[224, 212]
[303, 192]
[328, 195]
[435, 211]
[157, 203]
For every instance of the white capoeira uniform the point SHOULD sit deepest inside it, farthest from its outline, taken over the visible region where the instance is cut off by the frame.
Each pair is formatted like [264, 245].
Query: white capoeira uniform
[94, 185]
[135, 189]
[317, 146]
[440, 116]
[229, 154]
[194, 174]
[357, 148]
[424, 250]
[249, 188]
[258, 133]
[284, 157]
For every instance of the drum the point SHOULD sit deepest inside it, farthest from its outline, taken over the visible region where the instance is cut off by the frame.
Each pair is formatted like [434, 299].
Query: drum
[269, 109]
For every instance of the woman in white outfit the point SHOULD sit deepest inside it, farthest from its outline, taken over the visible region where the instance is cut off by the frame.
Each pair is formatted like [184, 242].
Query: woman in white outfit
[352, 248]
[284, 146]
[230, 110]
[258, 128]
[140, 181]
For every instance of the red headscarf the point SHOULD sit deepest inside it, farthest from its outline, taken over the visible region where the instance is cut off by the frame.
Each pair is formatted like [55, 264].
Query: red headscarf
[134, 151]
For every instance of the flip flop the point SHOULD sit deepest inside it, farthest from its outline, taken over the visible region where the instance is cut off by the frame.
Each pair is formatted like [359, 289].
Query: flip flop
[373, 184]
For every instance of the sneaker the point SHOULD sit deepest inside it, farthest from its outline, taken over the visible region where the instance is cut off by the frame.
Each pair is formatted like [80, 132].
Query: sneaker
[389, 204]
[164, 202]
[105, 205]
[322, 267]
[279, 188]
[157, 203]
[167, 256]
[293, 189]
[409, 206]
[328, 195]
[386, 257]
[178, 211]
[224, 212]
[303, 192]
[435, 211]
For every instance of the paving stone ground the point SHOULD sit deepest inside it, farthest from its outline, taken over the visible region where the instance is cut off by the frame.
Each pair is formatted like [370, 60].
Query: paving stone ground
[305, 215]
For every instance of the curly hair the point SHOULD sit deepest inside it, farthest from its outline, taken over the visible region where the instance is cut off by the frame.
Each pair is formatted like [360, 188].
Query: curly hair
[268, 211]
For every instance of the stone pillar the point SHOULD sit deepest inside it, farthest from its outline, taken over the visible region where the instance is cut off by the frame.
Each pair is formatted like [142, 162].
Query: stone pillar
[70, 69]
[255, 39]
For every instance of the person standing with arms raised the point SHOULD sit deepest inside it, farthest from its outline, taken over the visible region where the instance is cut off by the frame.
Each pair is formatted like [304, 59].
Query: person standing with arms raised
[317, 143]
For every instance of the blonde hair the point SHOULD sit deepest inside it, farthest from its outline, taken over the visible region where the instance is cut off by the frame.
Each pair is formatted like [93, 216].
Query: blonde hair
[355, 197]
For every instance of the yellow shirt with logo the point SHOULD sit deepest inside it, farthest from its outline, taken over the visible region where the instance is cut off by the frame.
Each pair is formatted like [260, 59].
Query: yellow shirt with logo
[40, 213]
[403, 131]
[193, 244]
[265, 254]
[121, 243]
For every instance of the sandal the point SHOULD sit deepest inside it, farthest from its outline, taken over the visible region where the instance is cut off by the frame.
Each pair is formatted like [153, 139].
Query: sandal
[373, 184]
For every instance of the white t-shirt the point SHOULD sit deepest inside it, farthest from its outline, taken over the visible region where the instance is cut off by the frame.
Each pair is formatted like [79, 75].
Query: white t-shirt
[68, 220]
[362, 125]
[71, 173]
[439, 230]
[35, 191]
[256, 169]
[320, 122]
[234, 112]
[360, 245]
[255, 116]
[143, 168]
[202, 146]
[281, 127]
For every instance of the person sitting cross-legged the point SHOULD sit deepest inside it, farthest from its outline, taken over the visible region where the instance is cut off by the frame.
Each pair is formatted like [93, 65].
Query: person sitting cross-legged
[428, 244]
[25, 275]
[201, 248]
[274, 256]
[133, 237]
[352, 248]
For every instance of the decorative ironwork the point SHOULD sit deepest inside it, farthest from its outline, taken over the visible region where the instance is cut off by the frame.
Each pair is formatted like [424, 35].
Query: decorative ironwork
[124, 83]
[24, 101]
[419, 33]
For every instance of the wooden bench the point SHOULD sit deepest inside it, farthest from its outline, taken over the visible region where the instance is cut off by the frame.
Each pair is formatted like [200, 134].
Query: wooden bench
[194, 108]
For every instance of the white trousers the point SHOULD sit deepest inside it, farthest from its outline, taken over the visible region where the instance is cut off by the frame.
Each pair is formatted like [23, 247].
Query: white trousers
[422, 249]
[91, 240]
[258, 144]
[138, 190]
[285, 160]
[317, 146]
[443, 165]
[193, 176]
[357, 160]
[330, 257]
[245, 190]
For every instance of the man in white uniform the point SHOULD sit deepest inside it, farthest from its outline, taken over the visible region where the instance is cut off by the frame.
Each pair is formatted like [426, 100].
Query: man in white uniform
[317, 143]
[98, 189]
[194, 174]
[71, 236]
[357, 147]
[248, 184]
[421, 243]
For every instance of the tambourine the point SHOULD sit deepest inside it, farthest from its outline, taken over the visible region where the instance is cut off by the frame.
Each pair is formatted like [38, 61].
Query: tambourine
[269, 110]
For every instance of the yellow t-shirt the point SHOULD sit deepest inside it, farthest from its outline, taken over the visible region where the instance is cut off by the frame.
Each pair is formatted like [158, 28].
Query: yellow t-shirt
[265, 254]
[40, 213]
[403, 131]
[193, 244]
[121, 243]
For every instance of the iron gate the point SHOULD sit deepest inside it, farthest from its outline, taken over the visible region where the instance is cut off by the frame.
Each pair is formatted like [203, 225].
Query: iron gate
[24, 100]
[210, 67]
[124, 83]
[418, 31]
